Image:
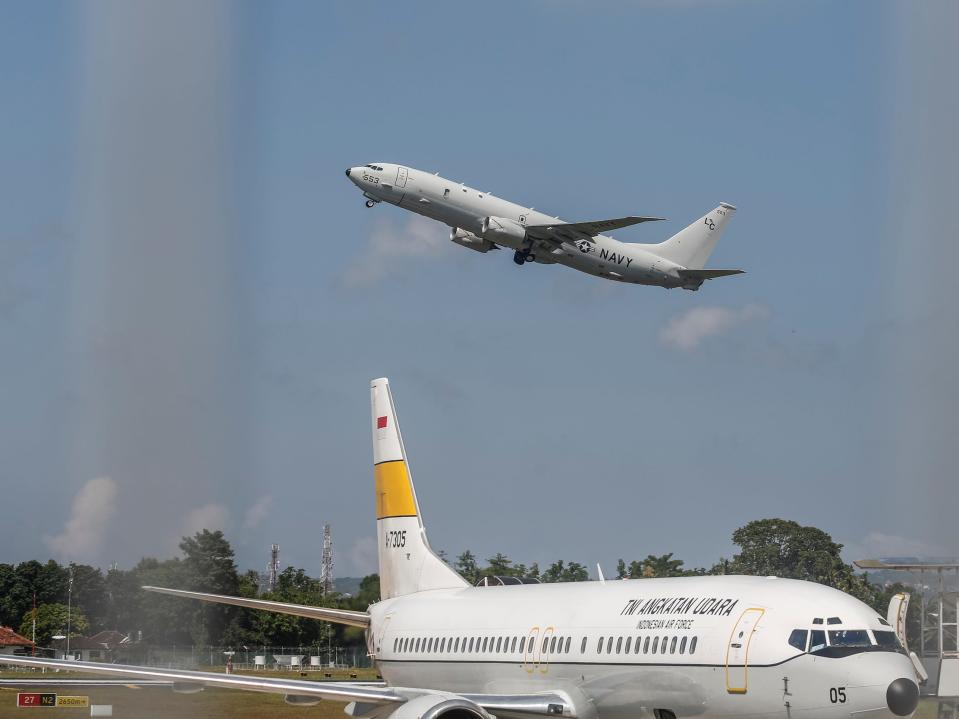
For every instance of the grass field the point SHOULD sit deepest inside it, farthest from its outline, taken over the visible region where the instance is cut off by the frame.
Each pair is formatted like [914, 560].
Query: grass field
[163, 703]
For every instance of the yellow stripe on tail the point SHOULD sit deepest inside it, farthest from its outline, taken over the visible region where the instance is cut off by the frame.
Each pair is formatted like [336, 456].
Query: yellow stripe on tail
[394, 492]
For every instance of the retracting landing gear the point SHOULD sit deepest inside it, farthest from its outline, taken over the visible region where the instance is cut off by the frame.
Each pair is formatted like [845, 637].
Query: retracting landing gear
[521, 257]
[370, 203]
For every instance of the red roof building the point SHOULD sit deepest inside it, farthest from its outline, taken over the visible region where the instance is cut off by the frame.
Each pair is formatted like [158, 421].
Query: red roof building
[11, 642]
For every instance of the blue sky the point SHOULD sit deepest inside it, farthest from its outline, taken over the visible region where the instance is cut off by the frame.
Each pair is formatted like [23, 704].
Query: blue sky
[193, 297]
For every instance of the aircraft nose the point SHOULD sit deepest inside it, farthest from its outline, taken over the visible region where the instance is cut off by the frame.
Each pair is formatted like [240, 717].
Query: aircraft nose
[348, 171]
[902, 697]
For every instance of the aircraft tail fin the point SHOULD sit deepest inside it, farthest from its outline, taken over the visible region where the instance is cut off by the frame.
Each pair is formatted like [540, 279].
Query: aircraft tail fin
[692, 246]
[407, 563]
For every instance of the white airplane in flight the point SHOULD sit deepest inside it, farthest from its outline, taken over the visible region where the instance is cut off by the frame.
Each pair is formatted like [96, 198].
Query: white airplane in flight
[714, 646]
[483, 222]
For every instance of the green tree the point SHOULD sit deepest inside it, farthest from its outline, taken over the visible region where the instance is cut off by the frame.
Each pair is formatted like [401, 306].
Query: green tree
[783, 548]
[662, 566]
[499, 566]
[466, 565]
[559, 571]
[208, 566]
[52, 620]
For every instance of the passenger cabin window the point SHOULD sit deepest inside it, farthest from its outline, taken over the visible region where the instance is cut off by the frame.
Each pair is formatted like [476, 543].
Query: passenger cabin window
[609, 645]
[522, 641]
[599, 646]
[672, 645]
[692, 645]
[566, 648]
[646, 646]
[619, 645]
[682, 646]
[626, 648]
[798, 639]
[655, 644]
[582, 648]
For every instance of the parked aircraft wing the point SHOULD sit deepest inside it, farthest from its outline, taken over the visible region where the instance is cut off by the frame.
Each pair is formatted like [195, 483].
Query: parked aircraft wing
[326, 614]
[301, 691]
[187, 681]
[708, 274]
[572, 231]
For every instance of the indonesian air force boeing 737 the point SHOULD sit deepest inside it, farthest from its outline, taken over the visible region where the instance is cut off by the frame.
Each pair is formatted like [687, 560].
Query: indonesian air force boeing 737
[710, 646]
[482, 222]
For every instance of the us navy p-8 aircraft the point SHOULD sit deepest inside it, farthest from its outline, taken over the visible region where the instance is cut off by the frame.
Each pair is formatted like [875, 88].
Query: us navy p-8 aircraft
[716, 646]
[482, 222]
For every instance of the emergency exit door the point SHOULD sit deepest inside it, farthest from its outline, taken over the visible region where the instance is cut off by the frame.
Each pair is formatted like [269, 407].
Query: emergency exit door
[401, 174]
[737, 652]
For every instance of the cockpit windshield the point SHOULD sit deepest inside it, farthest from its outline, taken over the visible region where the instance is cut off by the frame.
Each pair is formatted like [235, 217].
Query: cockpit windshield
[843, 642]
[849, 638]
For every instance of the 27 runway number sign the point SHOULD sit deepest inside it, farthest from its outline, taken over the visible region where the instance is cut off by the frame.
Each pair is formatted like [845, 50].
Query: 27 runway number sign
[35, 699]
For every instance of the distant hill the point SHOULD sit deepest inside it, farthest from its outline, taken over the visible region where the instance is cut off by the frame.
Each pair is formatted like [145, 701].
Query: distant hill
[347, 585]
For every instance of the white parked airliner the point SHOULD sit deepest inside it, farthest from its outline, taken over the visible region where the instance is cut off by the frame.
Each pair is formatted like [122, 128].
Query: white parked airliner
[482, 222]
[716, 646]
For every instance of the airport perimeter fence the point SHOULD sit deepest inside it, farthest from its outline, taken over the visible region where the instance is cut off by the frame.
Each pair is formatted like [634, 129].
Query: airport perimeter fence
[259, 658]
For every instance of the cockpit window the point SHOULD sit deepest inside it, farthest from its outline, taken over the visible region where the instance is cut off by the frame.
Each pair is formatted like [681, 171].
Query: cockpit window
[817, 640]
[798, 639]
[834, 620]
[887, 640]
[849, 638]
[817, 620]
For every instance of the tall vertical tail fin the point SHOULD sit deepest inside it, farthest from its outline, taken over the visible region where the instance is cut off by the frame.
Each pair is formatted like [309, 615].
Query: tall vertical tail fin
[407, 563]
[692, 246]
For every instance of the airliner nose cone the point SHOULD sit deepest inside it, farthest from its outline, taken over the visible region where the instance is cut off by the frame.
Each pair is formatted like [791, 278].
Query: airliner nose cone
[348, 171]
[902, 696]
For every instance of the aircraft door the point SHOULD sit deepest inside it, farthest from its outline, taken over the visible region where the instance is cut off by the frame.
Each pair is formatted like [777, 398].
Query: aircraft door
[401, 175]
[737, 652]
[531, 651]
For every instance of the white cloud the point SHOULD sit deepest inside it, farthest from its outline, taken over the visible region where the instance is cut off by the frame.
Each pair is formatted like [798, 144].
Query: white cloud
[258, 512]
[688, 330]
[90, 517]
[209, 516]
[389, 246]
[363, 556]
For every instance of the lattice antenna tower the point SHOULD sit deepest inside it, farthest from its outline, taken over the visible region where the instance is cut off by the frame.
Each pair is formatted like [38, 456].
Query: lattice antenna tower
[326, 578]
[274, 566]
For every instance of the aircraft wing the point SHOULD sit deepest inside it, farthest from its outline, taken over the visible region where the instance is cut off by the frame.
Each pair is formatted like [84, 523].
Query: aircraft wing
[707, 274]
[301, 691]
[186, 681]
[572, 231]
[326, 614]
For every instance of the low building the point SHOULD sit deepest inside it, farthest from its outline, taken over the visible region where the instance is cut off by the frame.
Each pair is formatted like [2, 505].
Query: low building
[101, 647]
[13, 643]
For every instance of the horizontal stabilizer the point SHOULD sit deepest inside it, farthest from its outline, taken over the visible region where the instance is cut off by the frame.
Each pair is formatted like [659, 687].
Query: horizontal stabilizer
[707, 274]
[326, 614]
[578, 230]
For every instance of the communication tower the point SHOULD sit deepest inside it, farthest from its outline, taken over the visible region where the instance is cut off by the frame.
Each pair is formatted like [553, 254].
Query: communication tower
[274, 566]
[326, 578]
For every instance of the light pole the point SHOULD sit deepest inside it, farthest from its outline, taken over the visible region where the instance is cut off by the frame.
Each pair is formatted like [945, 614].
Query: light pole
[69, 609]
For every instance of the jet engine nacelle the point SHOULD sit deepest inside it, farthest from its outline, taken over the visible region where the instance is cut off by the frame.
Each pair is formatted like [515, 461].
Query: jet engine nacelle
[439, 706]
[468, 239]
[503, 231]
